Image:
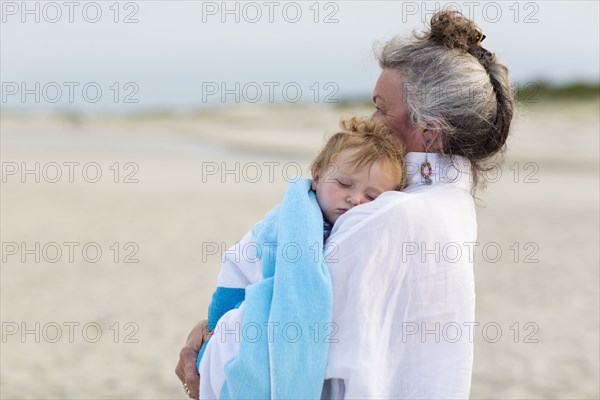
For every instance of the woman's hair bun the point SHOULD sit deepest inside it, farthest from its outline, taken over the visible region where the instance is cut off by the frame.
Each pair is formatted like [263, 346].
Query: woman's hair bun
[453, 30]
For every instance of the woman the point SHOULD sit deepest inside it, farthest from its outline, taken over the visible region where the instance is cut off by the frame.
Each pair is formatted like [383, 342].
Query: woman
[404, 299]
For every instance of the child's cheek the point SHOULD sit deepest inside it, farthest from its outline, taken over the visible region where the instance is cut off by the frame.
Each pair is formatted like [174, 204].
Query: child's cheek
[332, 193]
[336, 196]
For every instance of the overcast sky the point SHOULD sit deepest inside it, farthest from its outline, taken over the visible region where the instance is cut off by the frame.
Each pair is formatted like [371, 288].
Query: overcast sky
[183, 54]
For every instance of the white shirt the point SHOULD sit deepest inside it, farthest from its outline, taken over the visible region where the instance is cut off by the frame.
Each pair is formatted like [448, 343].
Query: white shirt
[403, 285]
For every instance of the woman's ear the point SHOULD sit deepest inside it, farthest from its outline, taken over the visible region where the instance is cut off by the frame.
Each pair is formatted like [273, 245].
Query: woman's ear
[431, 137]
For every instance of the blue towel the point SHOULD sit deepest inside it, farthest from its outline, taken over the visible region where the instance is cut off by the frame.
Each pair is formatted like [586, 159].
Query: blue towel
[283, 354]
[223, 300]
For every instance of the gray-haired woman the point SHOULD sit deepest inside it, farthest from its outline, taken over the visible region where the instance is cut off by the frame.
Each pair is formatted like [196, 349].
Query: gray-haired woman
[403, 285]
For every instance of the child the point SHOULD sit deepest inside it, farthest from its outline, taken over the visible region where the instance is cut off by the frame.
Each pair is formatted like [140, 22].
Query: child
[356, 165]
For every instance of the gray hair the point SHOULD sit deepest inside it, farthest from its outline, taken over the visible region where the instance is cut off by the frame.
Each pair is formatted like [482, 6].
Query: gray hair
[448, 90]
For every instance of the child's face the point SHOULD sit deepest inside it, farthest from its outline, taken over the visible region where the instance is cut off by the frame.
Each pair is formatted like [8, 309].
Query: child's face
[343, 186]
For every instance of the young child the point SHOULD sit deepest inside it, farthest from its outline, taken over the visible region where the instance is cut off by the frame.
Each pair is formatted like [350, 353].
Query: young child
[355, 166]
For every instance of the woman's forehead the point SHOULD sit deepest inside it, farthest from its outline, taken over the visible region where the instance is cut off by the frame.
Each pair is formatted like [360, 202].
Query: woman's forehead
[387, 85]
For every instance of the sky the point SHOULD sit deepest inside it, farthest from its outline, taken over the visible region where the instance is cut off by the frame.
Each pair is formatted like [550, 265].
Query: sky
[131, 56]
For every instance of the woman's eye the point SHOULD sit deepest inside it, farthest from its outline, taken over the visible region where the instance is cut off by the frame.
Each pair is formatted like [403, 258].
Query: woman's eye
[342, 184]
[378, 110]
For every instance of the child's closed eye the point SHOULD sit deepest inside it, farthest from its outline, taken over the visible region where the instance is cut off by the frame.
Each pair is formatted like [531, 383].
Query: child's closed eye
[343, 184]
[371, 197]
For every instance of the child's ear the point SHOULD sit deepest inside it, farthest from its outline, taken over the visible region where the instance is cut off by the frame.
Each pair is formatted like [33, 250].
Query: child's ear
[315, 179]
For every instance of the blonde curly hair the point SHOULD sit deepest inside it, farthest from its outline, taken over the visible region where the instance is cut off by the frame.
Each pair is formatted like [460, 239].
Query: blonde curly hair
[373, 142]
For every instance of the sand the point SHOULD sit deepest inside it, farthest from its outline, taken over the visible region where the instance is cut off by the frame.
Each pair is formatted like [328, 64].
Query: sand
[542, 292]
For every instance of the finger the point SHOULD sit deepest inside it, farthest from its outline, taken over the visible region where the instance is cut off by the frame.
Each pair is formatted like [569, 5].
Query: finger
[179, 372]
[192, 379]
[188, 370]
[186, 355]
[194, 389]
[197, 333]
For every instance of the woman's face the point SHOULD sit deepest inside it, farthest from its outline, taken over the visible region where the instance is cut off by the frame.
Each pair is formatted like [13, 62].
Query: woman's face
[391, 108]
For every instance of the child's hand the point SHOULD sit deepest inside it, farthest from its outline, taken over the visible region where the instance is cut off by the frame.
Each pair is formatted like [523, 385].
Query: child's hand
[186, 367]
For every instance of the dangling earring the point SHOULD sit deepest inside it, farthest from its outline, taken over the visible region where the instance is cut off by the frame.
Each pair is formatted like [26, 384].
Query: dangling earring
[426, 167]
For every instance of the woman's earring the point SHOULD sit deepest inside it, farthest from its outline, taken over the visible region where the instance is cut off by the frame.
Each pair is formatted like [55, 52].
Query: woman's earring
[426, 167]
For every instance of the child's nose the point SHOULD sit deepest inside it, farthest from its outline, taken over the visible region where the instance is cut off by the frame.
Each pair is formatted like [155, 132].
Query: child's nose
[354, 199]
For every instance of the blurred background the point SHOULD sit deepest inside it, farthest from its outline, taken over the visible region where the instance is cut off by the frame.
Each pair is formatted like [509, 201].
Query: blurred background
[140, 139]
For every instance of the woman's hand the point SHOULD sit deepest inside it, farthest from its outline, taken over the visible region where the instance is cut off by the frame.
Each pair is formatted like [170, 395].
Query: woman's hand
[186, 367]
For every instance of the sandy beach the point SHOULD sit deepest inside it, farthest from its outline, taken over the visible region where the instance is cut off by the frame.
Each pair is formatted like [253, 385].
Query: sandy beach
[110, 251]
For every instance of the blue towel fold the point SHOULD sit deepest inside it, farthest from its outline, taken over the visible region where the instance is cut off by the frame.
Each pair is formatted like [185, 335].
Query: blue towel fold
[223, 300]
[282, 353]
